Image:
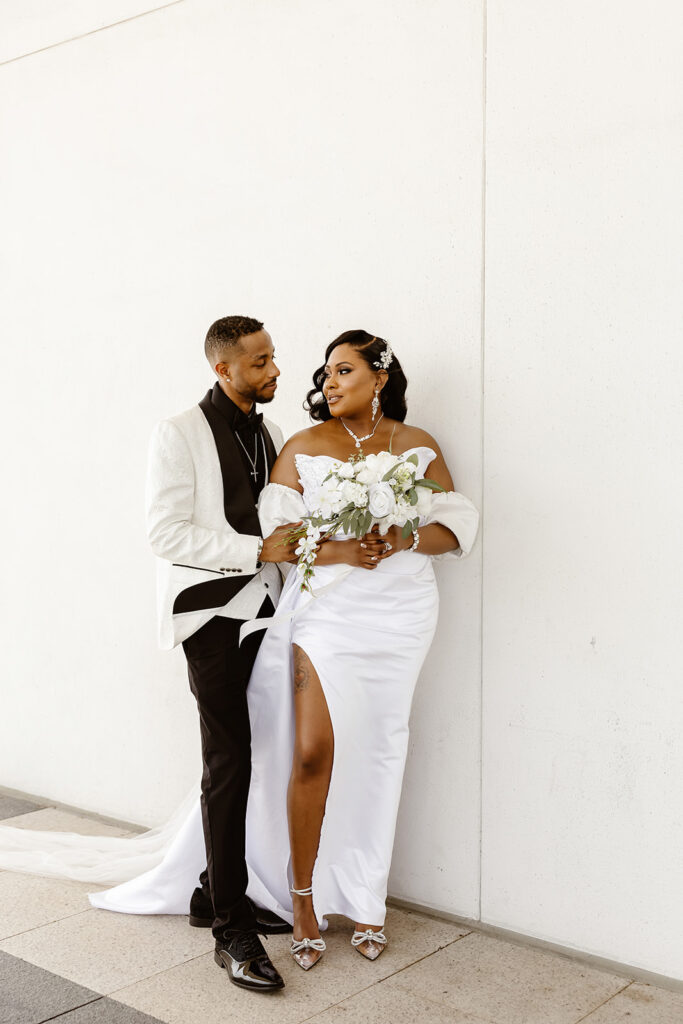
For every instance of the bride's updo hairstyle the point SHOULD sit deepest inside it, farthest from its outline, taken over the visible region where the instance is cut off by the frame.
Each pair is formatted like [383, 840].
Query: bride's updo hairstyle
[392, 396]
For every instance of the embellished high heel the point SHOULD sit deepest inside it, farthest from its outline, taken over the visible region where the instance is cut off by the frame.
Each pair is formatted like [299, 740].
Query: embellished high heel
[307, 952]
[369, 943]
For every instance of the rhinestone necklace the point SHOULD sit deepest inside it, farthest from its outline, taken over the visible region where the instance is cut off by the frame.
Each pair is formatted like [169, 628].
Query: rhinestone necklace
[355, 436]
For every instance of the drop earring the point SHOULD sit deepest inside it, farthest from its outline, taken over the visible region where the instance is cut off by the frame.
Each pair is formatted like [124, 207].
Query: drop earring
[375, 404]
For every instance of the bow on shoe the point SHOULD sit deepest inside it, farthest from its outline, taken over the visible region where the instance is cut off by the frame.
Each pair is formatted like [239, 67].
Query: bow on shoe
[299, 945]
[368, 936]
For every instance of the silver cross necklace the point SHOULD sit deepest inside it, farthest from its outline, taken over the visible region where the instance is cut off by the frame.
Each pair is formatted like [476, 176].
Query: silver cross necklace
[252, 462]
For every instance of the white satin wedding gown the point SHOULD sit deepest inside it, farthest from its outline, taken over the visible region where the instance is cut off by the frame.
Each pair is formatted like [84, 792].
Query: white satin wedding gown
[367, 634]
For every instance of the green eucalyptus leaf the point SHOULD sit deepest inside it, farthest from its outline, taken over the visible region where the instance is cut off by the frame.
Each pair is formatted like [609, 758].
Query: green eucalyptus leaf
[431, 484]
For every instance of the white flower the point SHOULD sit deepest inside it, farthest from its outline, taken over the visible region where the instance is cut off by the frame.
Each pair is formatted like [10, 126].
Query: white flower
[374, 467]
[329, 499]
[306, 546]
[345, 470]
[355, 493]
[404, 474]
[385, 461]
[368, 472]
[381, 500]
[403, 512]
[366, 476]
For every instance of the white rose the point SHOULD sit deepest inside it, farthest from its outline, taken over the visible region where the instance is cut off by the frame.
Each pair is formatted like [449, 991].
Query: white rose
[385, 462]
[368, 471]
[381, 500]
[366, 476]
[345, 470]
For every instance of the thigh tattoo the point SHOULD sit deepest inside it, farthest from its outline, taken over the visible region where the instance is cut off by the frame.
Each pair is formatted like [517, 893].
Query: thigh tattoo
[303, 670]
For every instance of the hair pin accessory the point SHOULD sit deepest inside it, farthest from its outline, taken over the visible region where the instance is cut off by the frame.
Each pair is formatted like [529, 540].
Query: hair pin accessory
[384, 360]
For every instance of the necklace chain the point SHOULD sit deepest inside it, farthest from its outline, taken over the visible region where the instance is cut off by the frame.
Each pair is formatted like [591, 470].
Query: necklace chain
[367, 436]
[253, 461]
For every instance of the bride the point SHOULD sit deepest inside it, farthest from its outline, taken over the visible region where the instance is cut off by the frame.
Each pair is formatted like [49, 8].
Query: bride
[330, 693]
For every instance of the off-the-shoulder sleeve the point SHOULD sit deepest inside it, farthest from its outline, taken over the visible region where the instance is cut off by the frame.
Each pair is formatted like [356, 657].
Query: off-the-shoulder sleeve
[277, 505]
[456, 512]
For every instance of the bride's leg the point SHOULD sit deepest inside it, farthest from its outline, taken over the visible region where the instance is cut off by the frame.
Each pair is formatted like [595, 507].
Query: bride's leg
[308, 785]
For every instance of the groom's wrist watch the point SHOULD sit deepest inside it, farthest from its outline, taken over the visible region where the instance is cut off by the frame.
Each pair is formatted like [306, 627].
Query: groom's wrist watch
[259, 549]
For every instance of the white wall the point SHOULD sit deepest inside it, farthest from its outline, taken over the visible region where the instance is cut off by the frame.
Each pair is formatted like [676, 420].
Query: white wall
[583, 648]
[210, 158]
[321, 167]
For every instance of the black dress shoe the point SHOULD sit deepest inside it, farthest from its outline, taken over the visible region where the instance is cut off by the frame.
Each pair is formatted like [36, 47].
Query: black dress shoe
[201, 915]
[247, 963]
[268, 922]
[201, 909]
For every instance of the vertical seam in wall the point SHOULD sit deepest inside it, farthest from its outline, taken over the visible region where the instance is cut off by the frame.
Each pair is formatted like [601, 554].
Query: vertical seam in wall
[482, 428]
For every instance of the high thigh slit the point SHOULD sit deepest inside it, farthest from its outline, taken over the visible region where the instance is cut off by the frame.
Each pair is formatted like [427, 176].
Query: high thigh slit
[302, 877]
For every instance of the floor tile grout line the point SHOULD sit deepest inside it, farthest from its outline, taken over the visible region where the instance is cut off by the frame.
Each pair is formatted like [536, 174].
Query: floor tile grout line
[604, 1002]
[155, 974]
[92, 32]
[388, 977]
[165, 970]
[112, 994]
[45, 924]
[380, 981]
[89, 1002]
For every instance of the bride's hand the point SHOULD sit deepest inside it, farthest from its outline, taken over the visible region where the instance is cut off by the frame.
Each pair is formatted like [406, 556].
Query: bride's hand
[364, 553]
[391, 541]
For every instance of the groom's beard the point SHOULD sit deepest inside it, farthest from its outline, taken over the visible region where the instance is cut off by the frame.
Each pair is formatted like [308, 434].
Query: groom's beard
[264, 396]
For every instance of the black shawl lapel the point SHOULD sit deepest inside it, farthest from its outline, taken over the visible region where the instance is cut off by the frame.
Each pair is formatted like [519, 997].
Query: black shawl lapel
[238, 498]
[270, 447]
[238, 505]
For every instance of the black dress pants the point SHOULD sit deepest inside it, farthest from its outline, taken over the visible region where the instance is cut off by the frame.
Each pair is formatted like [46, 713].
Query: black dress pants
[219, 671]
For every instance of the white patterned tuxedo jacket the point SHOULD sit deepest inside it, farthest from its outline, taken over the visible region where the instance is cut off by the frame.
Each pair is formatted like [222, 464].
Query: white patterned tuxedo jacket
[202, 523]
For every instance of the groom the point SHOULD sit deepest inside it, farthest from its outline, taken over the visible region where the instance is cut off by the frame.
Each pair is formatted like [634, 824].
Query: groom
[207, 467]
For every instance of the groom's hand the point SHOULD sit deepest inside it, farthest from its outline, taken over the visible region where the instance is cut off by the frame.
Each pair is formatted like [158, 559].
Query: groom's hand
[277, 548]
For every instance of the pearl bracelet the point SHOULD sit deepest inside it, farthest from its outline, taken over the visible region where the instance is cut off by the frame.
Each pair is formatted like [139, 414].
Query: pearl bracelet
[416, 540]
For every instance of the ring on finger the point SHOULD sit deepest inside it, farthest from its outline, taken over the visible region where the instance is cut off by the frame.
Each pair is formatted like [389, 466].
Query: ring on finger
[388, 546]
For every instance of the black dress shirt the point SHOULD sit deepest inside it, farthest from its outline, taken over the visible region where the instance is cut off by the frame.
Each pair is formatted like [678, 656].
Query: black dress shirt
[247, 430]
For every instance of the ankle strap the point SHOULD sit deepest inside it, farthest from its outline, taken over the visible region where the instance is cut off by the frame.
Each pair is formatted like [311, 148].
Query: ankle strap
[303, 892]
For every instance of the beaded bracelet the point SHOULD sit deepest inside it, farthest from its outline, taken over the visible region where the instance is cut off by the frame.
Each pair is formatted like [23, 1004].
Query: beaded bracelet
[416, 540]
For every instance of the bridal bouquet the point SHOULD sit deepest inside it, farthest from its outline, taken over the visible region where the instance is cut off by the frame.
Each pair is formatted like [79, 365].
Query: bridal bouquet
[355, 495]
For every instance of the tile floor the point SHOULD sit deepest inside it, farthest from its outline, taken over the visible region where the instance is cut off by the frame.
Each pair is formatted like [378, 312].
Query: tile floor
[62, 960]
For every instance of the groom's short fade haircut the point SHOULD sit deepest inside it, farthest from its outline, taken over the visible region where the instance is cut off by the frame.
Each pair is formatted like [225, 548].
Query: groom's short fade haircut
[225, 334]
